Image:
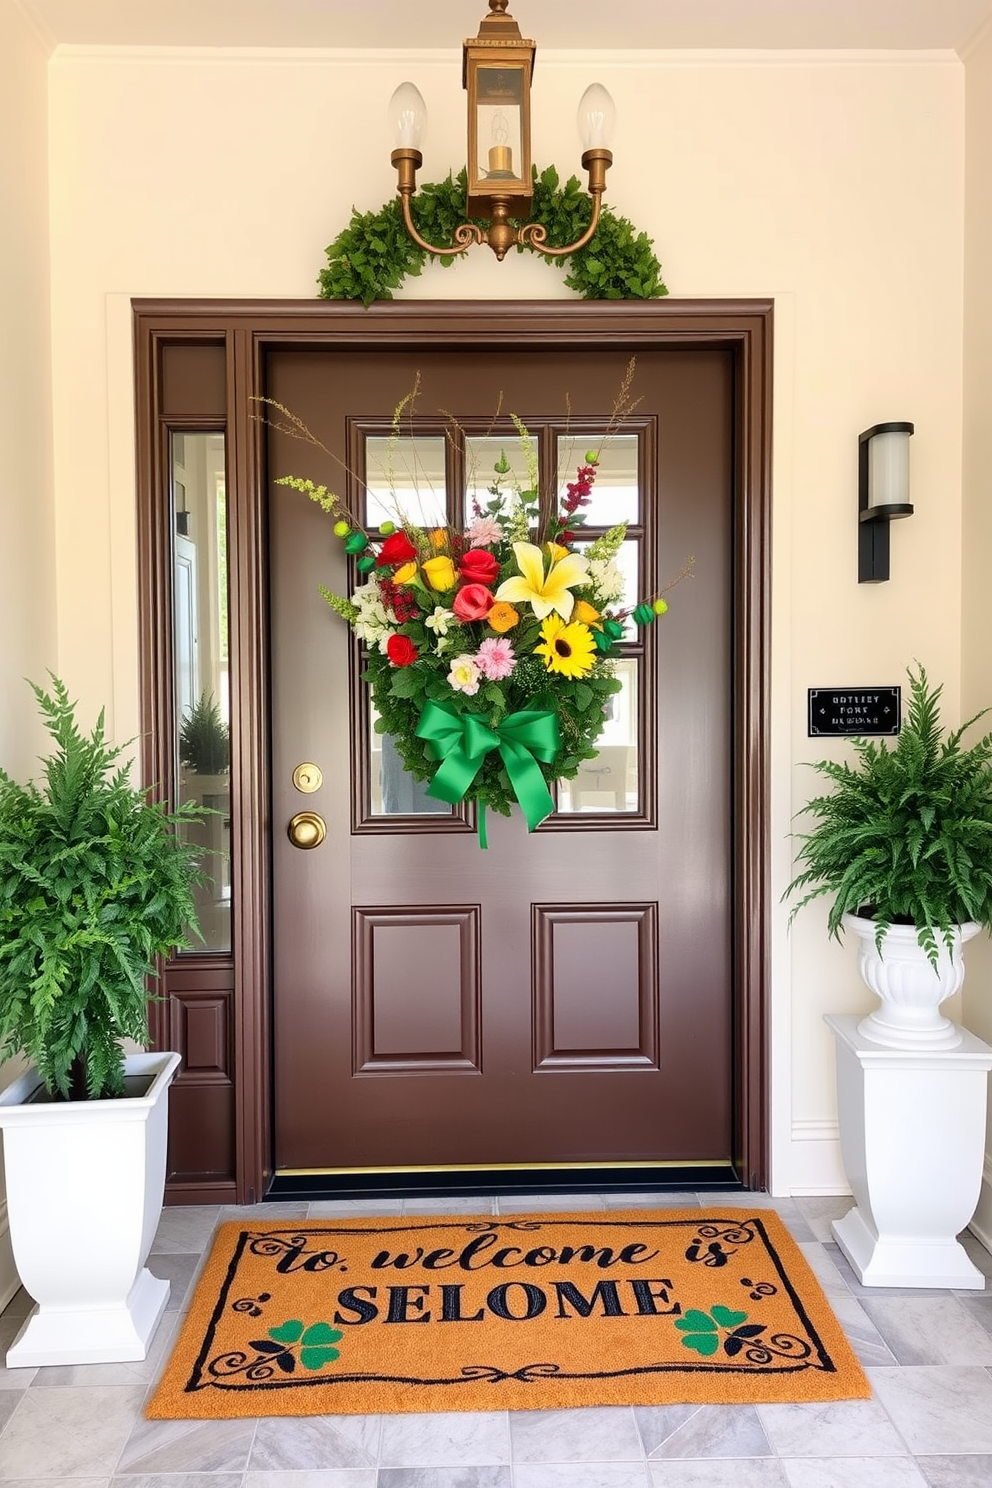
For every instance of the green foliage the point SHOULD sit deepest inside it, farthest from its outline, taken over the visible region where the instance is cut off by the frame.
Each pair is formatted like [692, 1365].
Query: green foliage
[204, 738]
[374, 254]
[399, 694]
[95, 884]
[905, 837]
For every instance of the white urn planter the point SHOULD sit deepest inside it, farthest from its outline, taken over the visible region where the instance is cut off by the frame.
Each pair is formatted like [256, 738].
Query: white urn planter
[909, 988]
[85, 1183]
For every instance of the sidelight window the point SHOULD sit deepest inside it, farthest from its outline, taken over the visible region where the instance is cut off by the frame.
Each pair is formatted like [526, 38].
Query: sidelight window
[201, 680]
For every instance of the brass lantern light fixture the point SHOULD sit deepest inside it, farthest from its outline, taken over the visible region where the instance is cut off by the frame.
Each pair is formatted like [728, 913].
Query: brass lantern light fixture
[497, 66]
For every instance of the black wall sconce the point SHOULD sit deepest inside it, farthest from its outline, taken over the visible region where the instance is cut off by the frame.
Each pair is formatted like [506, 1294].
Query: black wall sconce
[883, 495]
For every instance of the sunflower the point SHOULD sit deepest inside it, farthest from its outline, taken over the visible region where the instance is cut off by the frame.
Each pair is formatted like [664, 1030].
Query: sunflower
[567, 649]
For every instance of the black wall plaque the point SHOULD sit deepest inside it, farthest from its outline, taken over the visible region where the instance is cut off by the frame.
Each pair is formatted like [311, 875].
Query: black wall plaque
[854, 710]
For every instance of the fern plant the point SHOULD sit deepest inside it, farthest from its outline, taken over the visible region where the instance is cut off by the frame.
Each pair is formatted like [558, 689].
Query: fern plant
[204, 738]
[905, 837]
[96, 883]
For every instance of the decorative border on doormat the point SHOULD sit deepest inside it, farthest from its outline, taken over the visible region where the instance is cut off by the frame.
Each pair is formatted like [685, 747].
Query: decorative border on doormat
[531, 1312]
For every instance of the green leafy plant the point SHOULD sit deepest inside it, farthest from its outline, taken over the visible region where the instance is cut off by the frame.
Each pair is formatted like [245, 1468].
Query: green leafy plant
[96, 882]
[374, 254]
[905, 837]
[204, 738]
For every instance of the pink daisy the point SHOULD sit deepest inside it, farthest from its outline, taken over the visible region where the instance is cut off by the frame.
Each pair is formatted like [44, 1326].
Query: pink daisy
[495, 658]
[483, 532]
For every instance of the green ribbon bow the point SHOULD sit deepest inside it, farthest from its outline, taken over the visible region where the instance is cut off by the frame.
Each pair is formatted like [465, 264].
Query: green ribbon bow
[461, 742]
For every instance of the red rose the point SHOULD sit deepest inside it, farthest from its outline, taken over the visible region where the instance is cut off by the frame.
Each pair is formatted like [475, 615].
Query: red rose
[396, 549]
[478, 567]
[401, 650]
[473, 602]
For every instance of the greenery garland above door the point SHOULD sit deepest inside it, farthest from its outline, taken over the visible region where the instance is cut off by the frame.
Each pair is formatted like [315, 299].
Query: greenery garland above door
[374, 254]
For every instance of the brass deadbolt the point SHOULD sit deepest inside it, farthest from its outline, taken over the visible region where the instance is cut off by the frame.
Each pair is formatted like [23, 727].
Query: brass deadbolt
[306, 829]
[308, 778]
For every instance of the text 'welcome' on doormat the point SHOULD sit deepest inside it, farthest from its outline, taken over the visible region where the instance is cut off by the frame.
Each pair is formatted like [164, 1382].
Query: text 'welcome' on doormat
[537, 1312]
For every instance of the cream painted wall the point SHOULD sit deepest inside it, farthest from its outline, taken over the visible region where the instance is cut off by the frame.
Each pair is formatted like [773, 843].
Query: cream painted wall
[976, 619]
[834, 184]
[27, 576]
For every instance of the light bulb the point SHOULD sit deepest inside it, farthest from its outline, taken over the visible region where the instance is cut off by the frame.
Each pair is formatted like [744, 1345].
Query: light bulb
[408, 117]
[597, 117]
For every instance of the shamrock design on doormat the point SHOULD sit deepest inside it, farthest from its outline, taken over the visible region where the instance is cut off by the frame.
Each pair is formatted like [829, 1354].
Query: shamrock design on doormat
[705, 1332]
[284, 1347]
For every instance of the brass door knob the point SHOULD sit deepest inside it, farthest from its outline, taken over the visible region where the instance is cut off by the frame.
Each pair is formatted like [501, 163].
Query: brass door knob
[306, 829]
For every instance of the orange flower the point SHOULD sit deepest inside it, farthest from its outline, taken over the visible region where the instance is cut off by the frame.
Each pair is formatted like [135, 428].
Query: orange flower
[502, 617]
[439, 538]
[584, 612]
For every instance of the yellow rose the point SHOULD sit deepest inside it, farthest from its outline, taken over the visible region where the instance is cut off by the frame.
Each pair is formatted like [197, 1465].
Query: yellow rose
[406, 574]
[557, 552]
[583, 611]
[440, 573]
[502, 617]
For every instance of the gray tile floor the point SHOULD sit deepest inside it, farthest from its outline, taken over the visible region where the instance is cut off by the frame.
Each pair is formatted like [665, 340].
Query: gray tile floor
[928, 1356]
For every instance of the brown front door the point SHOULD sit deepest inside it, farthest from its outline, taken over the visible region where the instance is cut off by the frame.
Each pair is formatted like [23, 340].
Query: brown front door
[565, 996]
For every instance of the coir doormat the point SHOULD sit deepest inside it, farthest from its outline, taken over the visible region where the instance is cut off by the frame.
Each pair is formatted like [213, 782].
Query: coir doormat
[541, 1312]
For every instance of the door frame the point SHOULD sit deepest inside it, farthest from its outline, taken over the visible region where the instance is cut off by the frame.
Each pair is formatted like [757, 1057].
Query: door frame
[199, 364]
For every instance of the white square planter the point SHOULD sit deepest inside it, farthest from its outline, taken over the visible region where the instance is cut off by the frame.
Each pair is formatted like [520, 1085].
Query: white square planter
[85, 1182]
[912, 1130]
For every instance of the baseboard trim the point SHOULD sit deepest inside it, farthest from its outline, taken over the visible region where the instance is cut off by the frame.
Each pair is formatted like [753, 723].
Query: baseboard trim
[200, 1191]
[817, 1166]
[981, 1224]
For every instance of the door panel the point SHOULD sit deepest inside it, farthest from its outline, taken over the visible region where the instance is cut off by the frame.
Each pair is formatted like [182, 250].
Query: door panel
[564, 996]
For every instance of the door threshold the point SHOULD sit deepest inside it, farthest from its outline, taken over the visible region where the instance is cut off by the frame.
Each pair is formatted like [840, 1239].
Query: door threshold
[478, 1179]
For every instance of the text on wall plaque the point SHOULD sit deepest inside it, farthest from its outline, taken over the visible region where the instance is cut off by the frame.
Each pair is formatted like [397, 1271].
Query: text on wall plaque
[854, 710]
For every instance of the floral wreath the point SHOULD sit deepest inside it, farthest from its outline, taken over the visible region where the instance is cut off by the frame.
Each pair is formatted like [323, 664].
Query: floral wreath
[490, 651]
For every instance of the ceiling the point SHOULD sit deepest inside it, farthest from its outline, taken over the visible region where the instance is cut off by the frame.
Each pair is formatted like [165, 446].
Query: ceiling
[557, 24]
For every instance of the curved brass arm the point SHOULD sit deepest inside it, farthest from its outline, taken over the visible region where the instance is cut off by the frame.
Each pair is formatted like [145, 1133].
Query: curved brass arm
[533, 234]
[466, 233]
[502, 235]
[407, 162]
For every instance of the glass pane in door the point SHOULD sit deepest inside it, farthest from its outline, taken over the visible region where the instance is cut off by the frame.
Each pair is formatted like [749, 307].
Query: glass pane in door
[393, 790]
[201, 682]
[405, 480]
[615, 496]
[609, 783]
[483, 453]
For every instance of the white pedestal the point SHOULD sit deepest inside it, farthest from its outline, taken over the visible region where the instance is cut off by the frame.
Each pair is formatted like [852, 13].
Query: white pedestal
[912, 1130]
